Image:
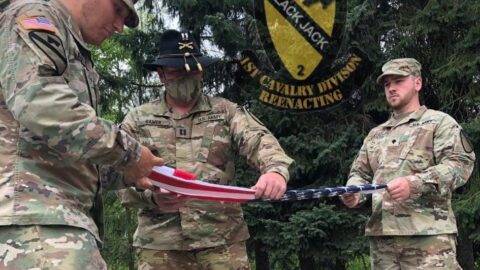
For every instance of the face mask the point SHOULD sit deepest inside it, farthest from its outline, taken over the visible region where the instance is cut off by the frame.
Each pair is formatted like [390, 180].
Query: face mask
[186, 89]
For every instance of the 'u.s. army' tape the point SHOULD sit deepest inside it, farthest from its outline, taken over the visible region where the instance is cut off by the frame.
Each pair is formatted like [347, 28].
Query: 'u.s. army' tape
[184, 183]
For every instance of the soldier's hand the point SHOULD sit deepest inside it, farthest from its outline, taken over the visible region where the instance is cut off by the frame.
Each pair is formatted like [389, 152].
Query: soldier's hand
[399, 189]
[168, 202]
[138, 171]
[351, 200]
[144, 183]
[270, 186]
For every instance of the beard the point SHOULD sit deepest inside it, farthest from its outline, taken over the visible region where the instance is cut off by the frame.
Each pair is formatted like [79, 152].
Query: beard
[400, 102]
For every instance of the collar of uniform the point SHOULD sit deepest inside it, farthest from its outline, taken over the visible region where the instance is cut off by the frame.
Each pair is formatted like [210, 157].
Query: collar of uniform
[417, 114]
[203, 105]
[71, 24]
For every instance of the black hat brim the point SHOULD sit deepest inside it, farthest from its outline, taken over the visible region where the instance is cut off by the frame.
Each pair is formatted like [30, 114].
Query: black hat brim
[179, 62]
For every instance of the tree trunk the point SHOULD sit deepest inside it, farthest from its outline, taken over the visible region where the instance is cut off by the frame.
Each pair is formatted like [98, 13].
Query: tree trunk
[261, 256]
[465, 251]
[306, 263]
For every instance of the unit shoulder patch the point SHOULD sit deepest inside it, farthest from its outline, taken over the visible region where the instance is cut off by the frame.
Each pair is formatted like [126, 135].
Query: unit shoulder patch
[248, 113]
[52, 46]
[466, 143]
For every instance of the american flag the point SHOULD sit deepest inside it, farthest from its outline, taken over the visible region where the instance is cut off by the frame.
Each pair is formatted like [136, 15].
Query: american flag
[37, 23]
[184, 183]
[306, 194]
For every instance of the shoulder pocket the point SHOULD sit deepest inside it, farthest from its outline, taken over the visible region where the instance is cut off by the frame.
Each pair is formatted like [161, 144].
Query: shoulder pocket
[158, 135]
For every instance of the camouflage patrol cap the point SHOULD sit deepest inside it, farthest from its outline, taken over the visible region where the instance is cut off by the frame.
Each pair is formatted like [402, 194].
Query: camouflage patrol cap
[400, 66]
[132, 18]
[178, 50]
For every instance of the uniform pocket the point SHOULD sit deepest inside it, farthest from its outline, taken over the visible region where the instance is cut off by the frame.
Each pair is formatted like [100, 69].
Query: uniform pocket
[78, 80]
[419, 150]
[407, 146]
[161, 140]
[215, 221]
[215, 145]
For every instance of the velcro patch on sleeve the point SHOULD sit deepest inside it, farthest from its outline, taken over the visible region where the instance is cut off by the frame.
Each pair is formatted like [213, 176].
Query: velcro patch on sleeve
[52, 46]
[37, 23]
[248, 113]
[466, 143]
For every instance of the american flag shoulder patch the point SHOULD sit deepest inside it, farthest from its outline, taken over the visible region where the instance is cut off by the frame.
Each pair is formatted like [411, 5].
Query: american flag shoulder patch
[36, 23]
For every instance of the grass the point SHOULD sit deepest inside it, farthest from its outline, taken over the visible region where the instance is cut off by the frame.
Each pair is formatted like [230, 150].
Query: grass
[359, 263]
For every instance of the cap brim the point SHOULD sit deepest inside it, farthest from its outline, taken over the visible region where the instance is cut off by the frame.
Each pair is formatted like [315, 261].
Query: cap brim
[391, 72]
[132, 19]
[179, 62]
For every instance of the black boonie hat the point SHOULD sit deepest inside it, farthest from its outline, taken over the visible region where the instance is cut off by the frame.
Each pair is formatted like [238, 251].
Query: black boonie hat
[178, 51]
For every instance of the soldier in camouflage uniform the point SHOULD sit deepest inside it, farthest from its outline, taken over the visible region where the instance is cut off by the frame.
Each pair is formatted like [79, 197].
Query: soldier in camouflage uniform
[51, 137]
[202, 135]
[423, 156]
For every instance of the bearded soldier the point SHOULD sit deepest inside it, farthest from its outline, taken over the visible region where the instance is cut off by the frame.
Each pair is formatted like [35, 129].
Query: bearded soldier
[422, 155]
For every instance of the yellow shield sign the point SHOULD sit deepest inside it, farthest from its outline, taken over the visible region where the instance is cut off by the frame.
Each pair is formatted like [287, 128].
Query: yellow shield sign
[301, 33]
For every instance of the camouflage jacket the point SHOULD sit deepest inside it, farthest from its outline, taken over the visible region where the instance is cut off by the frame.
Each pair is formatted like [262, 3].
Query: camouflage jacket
[3, 4]
[205, 142]
[430, 149]
[51, 138]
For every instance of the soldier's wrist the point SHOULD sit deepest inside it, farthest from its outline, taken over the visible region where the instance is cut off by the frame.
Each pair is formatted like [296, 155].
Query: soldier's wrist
[415, 185]
[281, 171]
[130, 151]
[148, 197]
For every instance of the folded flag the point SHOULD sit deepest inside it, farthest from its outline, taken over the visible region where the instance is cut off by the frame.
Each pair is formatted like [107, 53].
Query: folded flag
[184, 183]
[305, 194]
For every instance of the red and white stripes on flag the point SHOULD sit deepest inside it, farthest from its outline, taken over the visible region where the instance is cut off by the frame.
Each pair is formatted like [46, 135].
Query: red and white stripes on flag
[184, 183]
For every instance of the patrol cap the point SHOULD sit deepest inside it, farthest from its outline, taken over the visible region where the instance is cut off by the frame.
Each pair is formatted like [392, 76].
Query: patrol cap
[178, 50]
[132, 18]
[402, 67]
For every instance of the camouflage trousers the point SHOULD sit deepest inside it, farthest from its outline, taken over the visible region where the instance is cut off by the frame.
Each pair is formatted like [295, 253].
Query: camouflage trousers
[48, 247]
[228, 257]
[414, 252]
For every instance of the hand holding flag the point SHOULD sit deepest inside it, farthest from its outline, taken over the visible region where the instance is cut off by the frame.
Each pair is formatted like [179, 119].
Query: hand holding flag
[167, 201]
[351, 200]
[270, 186]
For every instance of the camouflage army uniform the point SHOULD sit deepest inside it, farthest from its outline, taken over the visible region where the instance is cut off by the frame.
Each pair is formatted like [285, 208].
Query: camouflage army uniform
[205, 142]
[429, 148]
[51, 137]
[49, 247]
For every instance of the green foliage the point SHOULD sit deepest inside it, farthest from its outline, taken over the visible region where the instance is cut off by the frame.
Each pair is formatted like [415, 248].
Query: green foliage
[308, 231]
[359, 263]
[120, 224]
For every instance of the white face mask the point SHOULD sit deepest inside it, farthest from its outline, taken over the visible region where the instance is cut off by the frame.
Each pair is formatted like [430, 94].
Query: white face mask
[186, 89]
